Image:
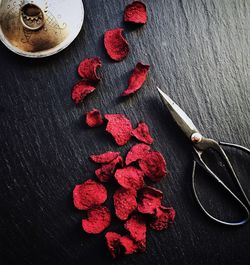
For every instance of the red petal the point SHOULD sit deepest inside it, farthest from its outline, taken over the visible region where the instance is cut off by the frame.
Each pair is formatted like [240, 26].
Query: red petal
[137, 152]
[98, 219]
[142, 134]
[89, 194]
[116, 45]
[88, 67]
[104, 158]
[137, 79]
[94, 118]
[119, 127]
[136, 13]
[81, 90]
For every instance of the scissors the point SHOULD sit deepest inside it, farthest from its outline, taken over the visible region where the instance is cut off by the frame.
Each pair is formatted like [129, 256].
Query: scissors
[201, 144]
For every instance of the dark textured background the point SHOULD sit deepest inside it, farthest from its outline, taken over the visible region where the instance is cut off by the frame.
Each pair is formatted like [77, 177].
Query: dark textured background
[199, 54]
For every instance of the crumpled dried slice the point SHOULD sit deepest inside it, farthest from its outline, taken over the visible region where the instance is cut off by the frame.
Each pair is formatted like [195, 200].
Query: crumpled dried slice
[115, 43]
[106, 171]
[135, 13]
[124, 202]
[113, 243]
[98, 219]
[142, 134]
[137, 152]
[120, 127]
[89, 194]
[137, 79]
[128, 245]
[118, 244]
[137, 229]
[104, 158]
[87, 69]
[130, 178]
[163, 217]
[149, 199]
[81, 90]
[153, 165]
[94, 118]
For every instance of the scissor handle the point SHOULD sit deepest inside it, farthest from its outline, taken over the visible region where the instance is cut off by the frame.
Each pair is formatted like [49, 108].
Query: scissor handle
[208, 143]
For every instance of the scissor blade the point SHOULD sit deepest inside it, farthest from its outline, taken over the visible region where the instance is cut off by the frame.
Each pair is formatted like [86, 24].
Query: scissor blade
[180, 117]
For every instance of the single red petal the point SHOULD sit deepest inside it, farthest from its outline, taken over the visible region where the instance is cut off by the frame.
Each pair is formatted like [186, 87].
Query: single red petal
[153, 165]
[163, 217]
[113, 243]
[124, 202]
[130, 178]
[120, 127]
[142, 134]
[87, 69]
[104, 158]
[137, 229]
[81, 90]
[137, 79]
[128, 244]
[94, 118]
[116, 45]
[98, 219]
[106, 171]
[136, 13]
[137, 152]
[89, 194]
[149, 199]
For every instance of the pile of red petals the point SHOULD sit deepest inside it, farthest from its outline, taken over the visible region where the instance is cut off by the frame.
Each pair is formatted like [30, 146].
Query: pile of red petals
[136, 204]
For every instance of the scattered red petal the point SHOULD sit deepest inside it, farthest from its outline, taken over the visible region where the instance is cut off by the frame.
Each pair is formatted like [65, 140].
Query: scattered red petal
[81, 90]
[104, 158]
[128, 244]
[94, 118]
[137, 152]
[113, 243]
[137, 229]
[116, 45]
[89, 194]
[106, 172]
[130, 178]
[153, 165]
[142, 134]
[124, 202]
[136, 13]
[98, 219]
[163, 217]
[149, 199]
[137, 79]
[119, 127]
[88, 67]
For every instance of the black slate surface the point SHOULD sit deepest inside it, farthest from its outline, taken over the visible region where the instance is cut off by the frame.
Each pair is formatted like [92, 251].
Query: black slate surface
[199, 54]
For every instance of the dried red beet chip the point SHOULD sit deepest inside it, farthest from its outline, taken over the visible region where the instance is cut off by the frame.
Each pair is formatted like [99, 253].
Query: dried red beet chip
[142, 134]
[130, 178]
[137, 228]
[149, 199]
[89, 194]
[128, 245]
[135, 13]
[163, 217]
[137, 79]
[116, 45]
[120, 127]
[81, 90]
[104, 158]
[137, 152]
[124, 202]
[98, 219]
[106, 172]
[94, 118]
[153, 165]
[88, 67]
[113, 243]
